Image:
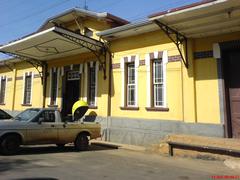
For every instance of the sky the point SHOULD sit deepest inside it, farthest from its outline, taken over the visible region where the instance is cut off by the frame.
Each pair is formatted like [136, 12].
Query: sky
[22, 17]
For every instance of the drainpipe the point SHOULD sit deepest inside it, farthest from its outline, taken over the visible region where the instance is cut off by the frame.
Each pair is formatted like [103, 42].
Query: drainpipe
[44, 82]
[109, 96]
[14, 88]
[182, 80]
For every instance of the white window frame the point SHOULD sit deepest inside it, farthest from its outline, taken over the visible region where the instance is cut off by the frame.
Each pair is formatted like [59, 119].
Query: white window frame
[54, 69]
[5, 93]
[31, 94]
[149, 76]
[123, 83]
[130, 86]
[86, 70]
[154, 83]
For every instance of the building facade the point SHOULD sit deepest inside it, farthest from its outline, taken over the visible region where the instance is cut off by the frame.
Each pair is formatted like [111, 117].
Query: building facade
[174, 73]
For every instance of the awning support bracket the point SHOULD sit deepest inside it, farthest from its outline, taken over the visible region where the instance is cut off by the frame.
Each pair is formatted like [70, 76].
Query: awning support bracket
[38, 65]
[100, 54]
[179, 40]
[8, 66]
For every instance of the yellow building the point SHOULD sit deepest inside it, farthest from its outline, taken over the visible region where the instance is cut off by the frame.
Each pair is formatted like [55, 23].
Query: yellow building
[174, 73]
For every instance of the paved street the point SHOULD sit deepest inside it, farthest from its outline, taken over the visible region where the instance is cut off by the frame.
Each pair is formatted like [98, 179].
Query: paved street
[104, 163]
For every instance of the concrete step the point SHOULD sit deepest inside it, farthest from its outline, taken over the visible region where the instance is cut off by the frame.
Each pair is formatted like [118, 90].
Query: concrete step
[223, 143]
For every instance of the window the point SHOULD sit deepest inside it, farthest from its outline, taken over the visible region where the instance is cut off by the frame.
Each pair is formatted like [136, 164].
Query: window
[27, 88]
[54, 84]
[157, 83]
[27, 115]
[131, 85]
[91, 84]
[48, 116]
[156, 64]
[88, 32]
[4, 115]
[2, 90]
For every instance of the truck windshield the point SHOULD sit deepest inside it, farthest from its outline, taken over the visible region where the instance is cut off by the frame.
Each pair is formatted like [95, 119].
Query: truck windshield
[27, 115]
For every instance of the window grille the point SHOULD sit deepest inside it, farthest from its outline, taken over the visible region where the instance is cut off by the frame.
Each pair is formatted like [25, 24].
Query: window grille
[27, 89]
[131, 85]
[91, 84]
[54, 82]
[2, 90]
[158, 83]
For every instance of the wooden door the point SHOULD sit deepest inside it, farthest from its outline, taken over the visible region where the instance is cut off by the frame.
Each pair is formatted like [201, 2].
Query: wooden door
[233, 81]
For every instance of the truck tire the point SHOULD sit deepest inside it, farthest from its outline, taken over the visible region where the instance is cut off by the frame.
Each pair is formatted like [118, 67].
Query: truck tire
[81, 143]
[10, 145]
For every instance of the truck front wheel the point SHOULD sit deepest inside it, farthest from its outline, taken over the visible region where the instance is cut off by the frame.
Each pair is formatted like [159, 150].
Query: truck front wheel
[10, 145]
[81, 143]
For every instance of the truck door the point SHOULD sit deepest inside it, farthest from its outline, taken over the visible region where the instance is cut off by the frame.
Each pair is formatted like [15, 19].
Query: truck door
[44, 132]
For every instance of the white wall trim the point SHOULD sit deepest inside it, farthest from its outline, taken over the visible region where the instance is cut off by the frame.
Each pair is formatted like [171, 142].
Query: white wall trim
[91, 64]
[62, 71]
[165, 61]
[5, 94]
[6, 87]
[58, 78]
[50, 85]
[80, 68]
[136, 63]
[54, 69]
[96, 83]
[85, 82]
[24, 78]
[155, 54]
[31, 94]
[122, 69]
[216, 51]
[24, 75]
[148, 67]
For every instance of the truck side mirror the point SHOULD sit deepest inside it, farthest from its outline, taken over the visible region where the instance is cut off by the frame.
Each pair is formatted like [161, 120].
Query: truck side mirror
[40, 120]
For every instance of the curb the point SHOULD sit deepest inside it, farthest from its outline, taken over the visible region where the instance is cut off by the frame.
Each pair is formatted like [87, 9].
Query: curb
[118, 146]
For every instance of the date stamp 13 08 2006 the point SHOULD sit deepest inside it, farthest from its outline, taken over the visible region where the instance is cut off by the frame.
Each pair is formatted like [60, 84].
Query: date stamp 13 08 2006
[225, 177]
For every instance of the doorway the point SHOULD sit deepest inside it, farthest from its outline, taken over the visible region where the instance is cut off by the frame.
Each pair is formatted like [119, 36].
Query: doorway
[71, 91]
[231, 67]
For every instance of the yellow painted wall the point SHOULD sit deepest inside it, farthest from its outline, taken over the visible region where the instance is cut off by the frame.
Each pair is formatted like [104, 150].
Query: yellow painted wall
[9, 88]
[92, 24]
[102, 88]
[14, 90]
[22, 68]
[142, 45]
[192, 94]
[207, 93]
[207, 96]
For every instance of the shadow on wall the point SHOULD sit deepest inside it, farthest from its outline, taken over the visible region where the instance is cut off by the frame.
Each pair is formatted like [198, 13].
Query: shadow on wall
[206, 69]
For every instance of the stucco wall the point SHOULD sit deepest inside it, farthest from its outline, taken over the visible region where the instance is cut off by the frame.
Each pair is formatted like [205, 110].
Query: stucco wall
[15, 87]
[142, 45]
[208, 80]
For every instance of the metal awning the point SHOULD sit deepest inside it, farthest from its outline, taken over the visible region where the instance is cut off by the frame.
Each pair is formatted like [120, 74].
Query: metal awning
[51, 44]
[202, 19]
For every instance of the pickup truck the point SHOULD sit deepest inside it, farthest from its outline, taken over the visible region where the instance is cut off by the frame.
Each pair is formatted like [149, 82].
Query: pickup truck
[37, 126]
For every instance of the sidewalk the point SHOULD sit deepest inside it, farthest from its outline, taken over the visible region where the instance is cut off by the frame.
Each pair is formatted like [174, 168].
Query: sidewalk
[162, 149]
